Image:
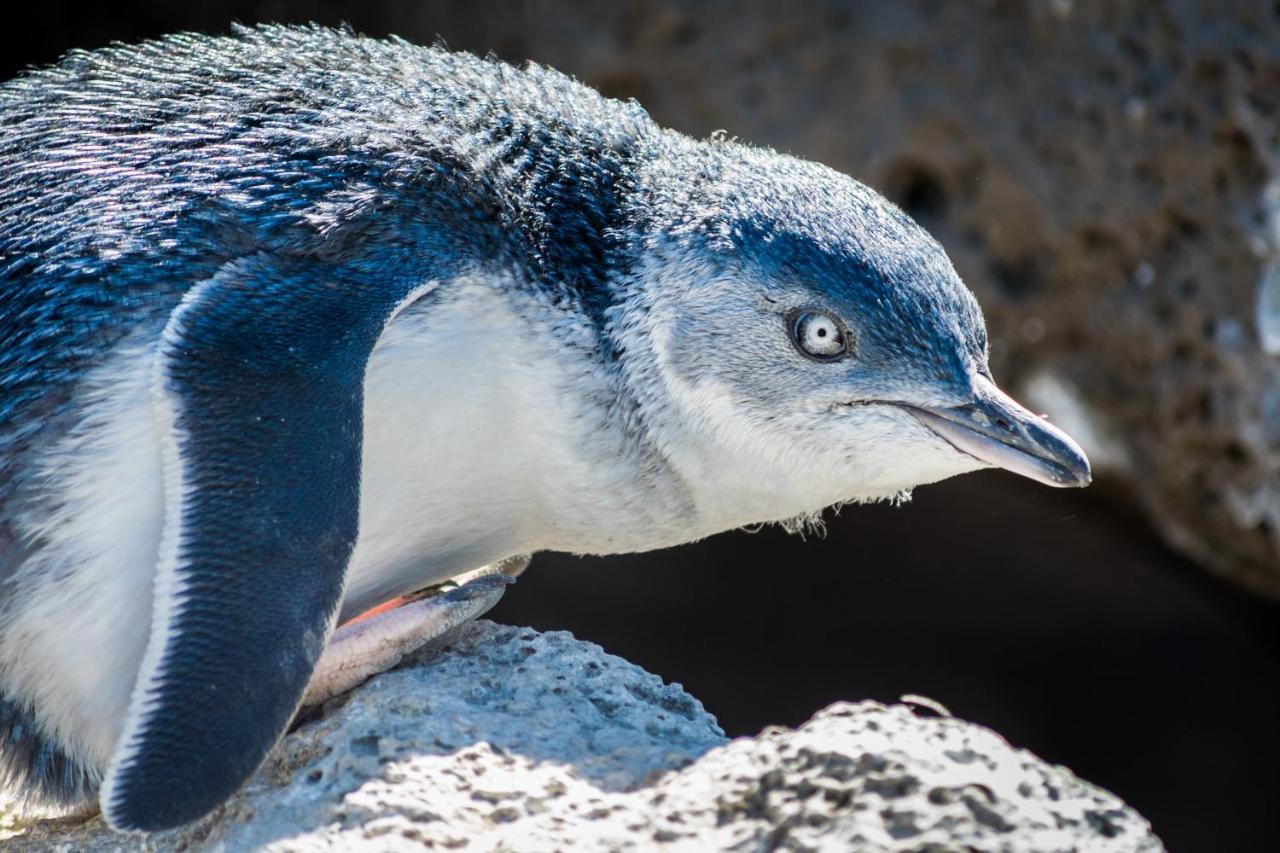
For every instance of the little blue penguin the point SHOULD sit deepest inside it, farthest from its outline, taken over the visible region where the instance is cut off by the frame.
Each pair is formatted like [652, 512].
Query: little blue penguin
[295, 323]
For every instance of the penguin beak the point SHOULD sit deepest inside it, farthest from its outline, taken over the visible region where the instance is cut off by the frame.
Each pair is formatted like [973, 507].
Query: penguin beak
[997, 430]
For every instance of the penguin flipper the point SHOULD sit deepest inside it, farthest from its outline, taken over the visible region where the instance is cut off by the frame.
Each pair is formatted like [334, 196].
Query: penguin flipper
[259, 388]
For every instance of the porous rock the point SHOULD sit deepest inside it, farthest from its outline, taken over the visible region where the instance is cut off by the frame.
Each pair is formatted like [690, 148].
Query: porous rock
[507, 739]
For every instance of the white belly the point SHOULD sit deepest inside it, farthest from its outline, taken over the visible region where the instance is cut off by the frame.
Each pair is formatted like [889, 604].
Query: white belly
[447, 484]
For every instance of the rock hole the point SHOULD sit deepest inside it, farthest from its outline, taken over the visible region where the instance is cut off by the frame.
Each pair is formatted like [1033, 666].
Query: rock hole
[367, 745]
[1146, 173]
[1203, 407]
[1236, 453]
[1016, 278]
[687, 33]
[1095, 239]
[918, 190]
[1220, 182]
[1102, 823]
[1134, 50]
[1187, 229]
[1209, 70]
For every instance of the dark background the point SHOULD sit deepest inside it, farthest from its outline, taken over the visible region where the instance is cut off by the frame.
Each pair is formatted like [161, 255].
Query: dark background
[1056, 618]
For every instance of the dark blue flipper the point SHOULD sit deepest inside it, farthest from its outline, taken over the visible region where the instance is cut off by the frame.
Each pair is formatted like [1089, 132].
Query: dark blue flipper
[261, 374]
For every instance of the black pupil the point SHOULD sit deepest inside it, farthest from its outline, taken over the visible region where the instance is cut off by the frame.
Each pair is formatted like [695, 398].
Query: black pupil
[822, 333]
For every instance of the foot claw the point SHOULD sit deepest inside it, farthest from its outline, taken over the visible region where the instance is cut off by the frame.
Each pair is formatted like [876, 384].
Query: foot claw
[482, 585]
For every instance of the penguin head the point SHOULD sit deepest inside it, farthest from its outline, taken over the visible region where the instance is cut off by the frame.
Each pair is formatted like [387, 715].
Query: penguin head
[815, 345]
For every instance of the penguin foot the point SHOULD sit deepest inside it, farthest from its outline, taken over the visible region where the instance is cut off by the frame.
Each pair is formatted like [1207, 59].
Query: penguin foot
[378, 640]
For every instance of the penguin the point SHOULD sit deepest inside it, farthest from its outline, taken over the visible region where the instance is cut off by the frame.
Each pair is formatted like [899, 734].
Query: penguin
[295, 323]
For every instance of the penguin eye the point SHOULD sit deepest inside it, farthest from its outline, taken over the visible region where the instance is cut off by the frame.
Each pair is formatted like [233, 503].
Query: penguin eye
[817, 334]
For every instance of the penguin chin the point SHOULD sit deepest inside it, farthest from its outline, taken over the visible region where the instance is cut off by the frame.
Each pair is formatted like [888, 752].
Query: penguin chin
[885, 453]
[749, 465]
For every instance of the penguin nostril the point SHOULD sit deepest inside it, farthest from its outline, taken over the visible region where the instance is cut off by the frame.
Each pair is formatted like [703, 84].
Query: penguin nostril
[1004, 424]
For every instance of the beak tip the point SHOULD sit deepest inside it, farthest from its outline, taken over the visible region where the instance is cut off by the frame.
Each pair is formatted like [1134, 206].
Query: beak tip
[1025, 444]
[1076, 473]
[1081, 480]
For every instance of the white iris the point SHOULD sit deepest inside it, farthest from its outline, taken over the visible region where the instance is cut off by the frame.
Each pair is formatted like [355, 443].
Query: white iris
[819, 334]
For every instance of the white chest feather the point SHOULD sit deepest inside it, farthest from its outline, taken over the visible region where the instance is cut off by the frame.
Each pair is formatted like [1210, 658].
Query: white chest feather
[480, 443]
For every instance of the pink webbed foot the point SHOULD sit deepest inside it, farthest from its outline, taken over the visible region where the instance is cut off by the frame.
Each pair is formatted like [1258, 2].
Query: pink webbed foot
[380, 638]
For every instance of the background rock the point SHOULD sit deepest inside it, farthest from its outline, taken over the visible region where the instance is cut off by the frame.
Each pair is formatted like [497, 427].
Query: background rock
[514, 740]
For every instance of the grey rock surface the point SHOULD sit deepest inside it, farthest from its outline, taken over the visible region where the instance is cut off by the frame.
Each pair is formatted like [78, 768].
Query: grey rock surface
[1106, 175]
[507, 739]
